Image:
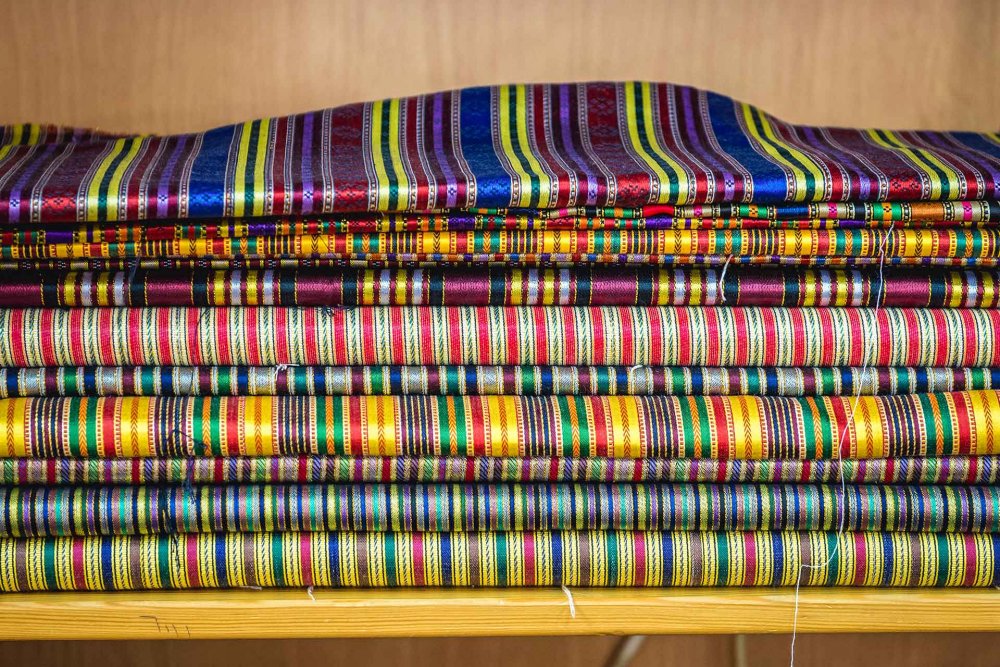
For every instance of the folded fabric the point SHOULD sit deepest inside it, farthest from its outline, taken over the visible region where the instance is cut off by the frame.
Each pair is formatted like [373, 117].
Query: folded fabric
[486, 380]
[725, 427]
[915, 215]
[536, 146]
[588, 559]
[133, 510]
[349, 469]
[588, 246]
[692, 336]
[380, 261]
[582, 286]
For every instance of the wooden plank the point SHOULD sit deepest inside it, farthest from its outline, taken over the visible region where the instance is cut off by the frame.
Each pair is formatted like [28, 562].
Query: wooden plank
[488, 612]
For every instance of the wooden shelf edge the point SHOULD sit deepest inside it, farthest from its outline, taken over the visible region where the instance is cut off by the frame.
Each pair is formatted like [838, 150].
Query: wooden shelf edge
[488, 612]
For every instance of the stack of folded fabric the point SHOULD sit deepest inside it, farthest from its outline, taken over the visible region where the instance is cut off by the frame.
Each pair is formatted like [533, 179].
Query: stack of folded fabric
[588, 335]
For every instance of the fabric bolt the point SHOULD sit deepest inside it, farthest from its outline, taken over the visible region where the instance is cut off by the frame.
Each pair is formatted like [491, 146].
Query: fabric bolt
[550, 558]
[619, 286]
[725, 427]
[523, 146]
[668, 336]
[486, 380]
[135, 510]
[572, 245]
[953, 470]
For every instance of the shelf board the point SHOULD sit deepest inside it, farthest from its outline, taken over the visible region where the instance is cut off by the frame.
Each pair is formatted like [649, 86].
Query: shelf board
[487, 612]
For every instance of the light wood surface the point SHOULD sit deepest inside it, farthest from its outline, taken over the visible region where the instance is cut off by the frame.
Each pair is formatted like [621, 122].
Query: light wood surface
[413, 613]
[192, 64]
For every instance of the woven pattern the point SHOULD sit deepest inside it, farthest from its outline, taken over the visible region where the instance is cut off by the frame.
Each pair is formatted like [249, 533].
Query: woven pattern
[485, 380]
[742, 427]
[524, 146]
[477, 508]
[500, 559]
[957, 470]
[739, 336]
[633, 286]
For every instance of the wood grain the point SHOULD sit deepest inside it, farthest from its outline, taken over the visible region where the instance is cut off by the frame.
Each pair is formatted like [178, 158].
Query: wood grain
[413, 613]
[190, 64]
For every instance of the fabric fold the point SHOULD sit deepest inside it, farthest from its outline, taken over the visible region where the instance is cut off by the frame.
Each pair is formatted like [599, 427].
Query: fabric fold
[524, 146]
[570, 558]
[724, 427]
[580, 246]
[497, 286]
[487, 380]
[320, 469]
[135, 510]
[663, 336]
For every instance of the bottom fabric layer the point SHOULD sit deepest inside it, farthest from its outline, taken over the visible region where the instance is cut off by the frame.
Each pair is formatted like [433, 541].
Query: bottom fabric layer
[595, 559]
[342, 469]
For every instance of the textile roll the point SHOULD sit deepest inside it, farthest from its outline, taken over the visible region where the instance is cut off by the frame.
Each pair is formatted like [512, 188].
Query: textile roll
[581, 246]
[486, 469]
[725, 427]
[485, 380]
[133, 510]
[692, 336]
[537, 146]
[585, 559]
[581, 286]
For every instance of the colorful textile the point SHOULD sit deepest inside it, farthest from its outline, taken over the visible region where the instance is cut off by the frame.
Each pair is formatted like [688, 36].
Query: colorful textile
[134, 510]
[582, 246]
[693, 336]
[916, 215]
[348, 469]
[485, 380]
[620, 286]
[725, 427]
[536, 146]
[390, 261]
[585, 559]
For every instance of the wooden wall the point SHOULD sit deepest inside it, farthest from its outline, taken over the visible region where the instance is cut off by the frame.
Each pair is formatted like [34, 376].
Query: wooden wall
[189, 64]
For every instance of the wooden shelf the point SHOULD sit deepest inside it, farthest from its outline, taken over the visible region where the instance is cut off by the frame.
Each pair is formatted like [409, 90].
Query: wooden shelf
[436, 612]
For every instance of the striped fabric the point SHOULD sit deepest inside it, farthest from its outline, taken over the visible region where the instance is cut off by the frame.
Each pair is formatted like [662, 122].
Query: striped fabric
[725, 427]
[581, 286]
[955, 470]
[486, 380]
[912, 215]
[537, 146]
[580, 246]
[693, 336]
[403, 261]
[135, 510]
[606, 558]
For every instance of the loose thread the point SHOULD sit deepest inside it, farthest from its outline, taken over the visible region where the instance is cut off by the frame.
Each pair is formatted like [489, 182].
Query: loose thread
[569, 599]
[722, 279]
[866, 368]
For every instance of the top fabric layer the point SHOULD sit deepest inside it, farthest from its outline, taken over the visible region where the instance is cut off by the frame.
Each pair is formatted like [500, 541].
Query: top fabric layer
[539, 146]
